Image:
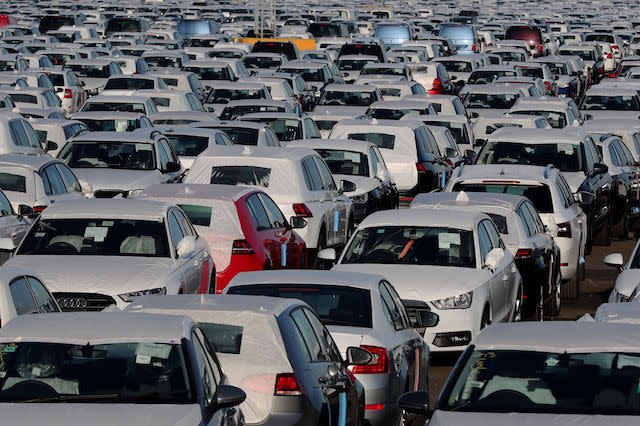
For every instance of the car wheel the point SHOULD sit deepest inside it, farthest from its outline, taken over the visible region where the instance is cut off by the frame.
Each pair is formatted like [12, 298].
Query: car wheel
[603, 237]
[517, 306]
[621, 228]
[571, 289]
[552, 307]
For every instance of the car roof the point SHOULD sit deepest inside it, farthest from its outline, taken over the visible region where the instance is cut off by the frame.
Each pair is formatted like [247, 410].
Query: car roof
[256, 153]
[536, 136]
[611, 91]
[560, 337]
[375, 123]
[198, 191]
[421, 217]
[337, 144]
[27, 161]
[292, 276]
[82, 328]
[337, 87]
[108, 208]
[444, 199]
[118, 99]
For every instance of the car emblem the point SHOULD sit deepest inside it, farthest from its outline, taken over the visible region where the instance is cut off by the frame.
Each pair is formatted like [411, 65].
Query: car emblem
[72, 302]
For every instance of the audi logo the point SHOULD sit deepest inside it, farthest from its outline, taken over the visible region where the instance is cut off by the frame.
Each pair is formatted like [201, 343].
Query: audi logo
[72, 302]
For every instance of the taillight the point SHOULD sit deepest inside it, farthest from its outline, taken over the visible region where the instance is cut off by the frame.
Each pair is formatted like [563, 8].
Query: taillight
[540, 48]
[379, 361]
[449, 162]
[548, 84]
[241, 247]
[301, 210]
[374, 407]
[564, 230]
[474, 47]
[613, 75]
[609, 56]
[420, 168]
[68, 93]
[524, 253]
[286, 385]
[437, 84]
[615, 46]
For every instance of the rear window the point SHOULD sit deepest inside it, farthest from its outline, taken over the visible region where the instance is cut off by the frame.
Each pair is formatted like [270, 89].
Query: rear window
[531, 35]
[198, 215]
[19, 97]
[335, 305]
[240, 175]
[539, 195]
[49, 23]
[380, 140]
[117, 25]
[240, 136]
[225, 339]
[187, 145]
[532, 72]
[128, 84]
[15, 183]
[286, 49]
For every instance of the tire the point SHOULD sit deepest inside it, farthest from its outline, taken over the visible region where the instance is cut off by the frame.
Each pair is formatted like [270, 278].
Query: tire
[517, 308]
[552, 307]
[621, 228]
[486, 318]
[322, 243]
[571, 289]
[603, 237]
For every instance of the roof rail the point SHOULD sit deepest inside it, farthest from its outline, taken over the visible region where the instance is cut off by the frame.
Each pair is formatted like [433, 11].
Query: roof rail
[547, 170]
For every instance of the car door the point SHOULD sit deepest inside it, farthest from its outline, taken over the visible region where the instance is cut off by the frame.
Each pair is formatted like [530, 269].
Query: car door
[196, 270]
[265, 233]
[539, 253]
[321, 199]
[284, 236]
[340, 207]
[546, 245]
[600, 184]
[496, 285]
[182, 264]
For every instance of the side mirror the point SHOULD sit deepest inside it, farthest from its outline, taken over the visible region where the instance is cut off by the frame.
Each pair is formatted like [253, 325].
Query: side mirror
[186, 246]
[600, 168]
[358, 356]
[453, 78]
[172, 167]
[614, 260]
[24, 210]
[479, 142]
[493, 259]
[228, 396]
[347, 186]
[210, 109]
[415, 402]
[450, 152]
[587, 116]
[425, 318]
[51, 146]
[474, 114]
[575, 74]
[469, 154]
[7, 244]
[328, 254]
[82, 83]
[297, 222]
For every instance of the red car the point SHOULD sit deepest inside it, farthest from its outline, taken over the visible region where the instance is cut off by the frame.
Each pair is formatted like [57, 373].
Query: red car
[245, 229]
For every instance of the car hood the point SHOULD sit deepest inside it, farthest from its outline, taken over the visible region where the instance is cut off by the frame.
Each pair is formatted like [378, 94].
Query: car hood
[64, 414]
[103, 179]
[364, 184]
[96, 274]
[523, 419]
[424, 282]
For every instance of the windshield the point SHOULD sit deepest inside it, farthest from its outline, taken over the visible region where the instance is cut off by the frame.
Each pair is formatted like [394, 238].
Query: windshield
[612, 103]
[557, 120]
[111, 155]
[539, 195]
[187, 145]
[457, 66]
[393, 113]
[285, 129]
[135, 373]
[231, 113]
[306, 74]
[114, 106]
[345, 162]
[401, 245]
[383, 71]
[240, 175]
[565, 156]
[532, 72]
[485, 77]
[537, 382]
[491, 100]
[163, 61]
[211, 73]
[223, 96]
[96, 237]
[90, 71]
[335, 305]
[339, 98]
[111, 125]
[268, 62]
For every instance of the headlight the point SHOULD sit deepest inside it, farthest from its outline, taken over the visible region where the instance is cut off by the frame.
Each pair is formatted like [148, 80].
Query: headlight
[128, 297]
[359, 198]
[135, 193]
[462, 301]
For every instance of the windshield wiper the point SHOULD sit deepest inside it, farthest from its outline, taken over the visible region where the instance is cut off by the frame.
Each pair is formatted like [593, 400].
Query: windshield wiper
[66, 397]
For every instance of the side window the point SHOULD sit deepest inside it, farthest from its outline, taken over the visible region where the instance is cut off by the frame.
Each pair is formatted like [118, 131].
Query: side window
[327, 177]
[162, 156]
[164, 143]
[390, 308]
[220, 139]
[526, 215]
[398, 303]
[258, 213]
[328, 345]
[484, 241]
[187, 229]
[5, 205]
[312, 131]
[614, 155]
[525, 224]
[374, 162]
[204, 369]
[32, 137]
[536, 217]
[175, 230]
[311, 342]
[275, 215]
[274, 138]
[566, 191]
[432, 142]
[18, 134]
[70, 181]
[56, 183]
[589, 155]
[22, 297]
[44, 300]
[496, 242]
[314, 174]
[624, 153]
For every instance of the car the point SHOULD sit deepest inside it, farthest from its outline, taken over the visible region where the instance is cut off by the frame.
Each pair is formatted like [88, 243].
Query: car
[540, 70]
[364, 308]
[245, 229]
[223, 93]
[278, 351]
[94, 73]
[387, 71]
[244, 132]
[472, 279]
[36, 98]
[18, 136]
[361, 163]
[490, 100]
[160, 366]
[463, 36]
[402, 143]
[132, 65]
[126, 85]
[590, 54]
[625, 129]
[569, 349]
[172, 100]
[132, 247]
[536, 254]
[54, 133]
[391, 33]
[160, 60]
[433, 77]
[350, 66]
[532, 35]
[189, 142]
[486, 74]
[484, 127]
[210, 71]
[258, 62]
[181, 80]
[297, 179]
[69, 89]
[558, 113]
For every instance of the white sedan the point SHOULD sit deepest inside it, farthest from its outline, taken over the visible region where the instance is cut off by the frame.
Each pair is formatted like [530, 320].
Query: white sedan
[453, 263]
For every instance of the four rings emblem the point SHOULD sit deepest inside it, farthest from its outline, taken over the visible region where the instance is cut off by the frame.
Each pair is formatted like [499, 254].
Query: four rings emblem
[72, 302]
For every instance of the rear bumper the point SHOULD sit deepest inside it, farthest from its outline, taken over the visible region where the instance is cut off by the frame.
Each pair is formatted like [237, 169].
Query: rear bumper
[378, 390]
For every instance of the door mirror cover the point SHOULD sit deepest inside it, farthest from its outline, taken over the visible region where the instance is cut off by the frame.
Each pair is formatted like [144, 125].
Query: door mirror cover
[328, 254]
[51, 146]
[228, 396]
[415, 402]
[493, 258]
[600, 168]
[24, 210]
[297, 222]
[425, 318]
[614, 259]
[469, 154]
[172, 167]
[450, 152]
[358, 356]
[186, 246]
[347, 186]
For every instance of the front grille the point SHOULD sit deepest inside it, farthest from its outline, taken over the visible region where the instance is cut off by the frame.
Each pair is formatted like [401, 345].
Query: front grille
[108, 193]
[75, 302]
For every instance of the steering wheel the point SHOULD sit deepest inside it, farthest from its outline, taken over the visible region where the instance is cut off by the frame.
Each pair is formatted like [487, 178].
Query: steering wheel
[508, 398]
[33, 388]
[84, 163]
[63, 246]
[381, 255]
[334, 103]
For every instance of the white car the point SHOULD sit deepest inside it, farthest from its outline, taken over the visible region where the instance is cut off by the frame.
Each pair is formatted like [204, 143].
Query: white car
[172, 100]
[548, 191]
[554, 374]
[483, 127]
[626, 285]
[113, 368]
[611, 102]
[451, 262]
[21, 293]
[96, 253]
[298, 180]
[69, 89]
[17, 136]
[140, 104]
[93, 73]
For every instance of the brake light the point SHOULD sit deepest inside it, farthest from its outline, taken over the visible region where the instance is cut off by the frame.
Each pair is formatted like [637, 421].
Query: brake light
[524, 253]
[286, 385]
[379, 361]
[540, 48]
[548, 84]
[474, 47]
[301, 210]
[564, 230]
[615, 46]
[437, 84]
[374, 407]
[241, 247]
[420, 168]
[613, 75]
[609, 56]
[449, 162]
[68, 93]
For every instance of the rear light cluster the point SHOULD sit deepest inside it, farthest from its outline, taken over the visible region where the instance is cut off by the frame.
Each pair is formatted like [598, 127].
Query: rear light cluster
[374, 407]
[286, 385]
[540, 48]
[524, 253]
[437, 85]
[609, 56]
[548, 84]
[68, 94]
[241, 247]
[301, 210]
[564, 230]
[474, 47]
[379, 361]
[420, 168]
